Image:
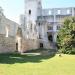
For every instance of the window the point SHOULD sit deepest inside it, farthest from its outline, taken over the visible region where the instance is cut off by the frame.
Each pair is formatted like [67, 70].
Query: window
[29, 12]
[39, 24]
[68, 11]
[59, 11]
[58, 27]
[39, 2]
[7, 31]
[41, 45]
[50, 38]
[31, 27]
[39, 36]
[49, 12]
[50, 27]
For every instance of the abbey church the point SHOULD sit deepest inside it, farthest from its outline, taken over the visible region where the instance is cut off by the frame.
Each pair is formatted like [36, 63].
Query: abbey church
[38, 27]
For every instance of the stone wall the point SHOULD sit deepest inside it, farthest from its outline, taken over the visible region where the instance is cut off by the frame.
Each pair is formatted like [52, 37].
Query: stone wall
[46, 44]
[29, 45]
[7, 44]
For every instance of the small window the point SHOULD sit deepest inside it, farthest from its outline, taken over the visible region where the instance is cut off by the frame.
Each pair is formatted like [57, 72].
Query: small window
[58, 27]
[39, 36]
[29, 12]
[41, 45]
[39, 24]
[50, 27]
[68, 11]
[31, 27]
[50, 38]
[59, 11]
[49, 12]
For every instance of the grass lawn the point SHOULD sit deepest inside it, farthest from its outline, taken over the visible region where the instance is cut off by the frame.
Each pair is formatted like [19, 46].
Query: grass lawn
[15, 64]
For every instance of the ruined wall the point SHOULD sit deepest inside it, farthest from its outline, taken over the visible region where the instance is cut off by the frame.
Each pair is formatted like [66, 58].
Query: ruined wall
[48, 45]
[29, 44]
[7, 44]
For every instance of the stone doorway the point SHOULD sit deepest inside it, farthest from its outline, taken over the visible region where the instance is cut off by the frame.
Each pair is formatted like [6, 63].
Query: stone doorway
[19, 44]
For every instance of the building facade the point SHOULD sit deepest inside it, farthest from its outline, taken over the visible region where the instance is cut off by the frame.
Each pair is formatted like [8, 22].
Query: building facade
[38, 29]
[43, 24]
[8, 33]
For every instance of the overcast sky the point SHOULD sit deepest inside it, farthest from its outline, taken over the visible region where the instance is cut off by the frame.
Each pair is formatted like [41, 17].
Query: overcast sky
[13, 8]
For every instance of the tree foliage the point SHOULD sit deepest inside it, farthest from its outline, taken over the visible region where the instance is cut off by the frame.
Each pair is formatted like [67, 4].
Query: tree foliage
[66, 36]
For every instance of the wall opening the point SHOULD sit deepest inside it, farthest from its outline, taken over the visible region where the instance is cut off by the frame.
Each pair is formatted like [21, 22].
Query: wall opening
[29, 12]
[39, 24]
[16, 46]
[19, 44]
[41, 45]
[50, 38]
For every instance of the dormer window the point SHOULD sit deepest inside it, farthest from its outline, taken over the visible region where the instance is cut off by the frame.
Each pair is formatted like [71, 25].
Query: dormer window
[29, 12]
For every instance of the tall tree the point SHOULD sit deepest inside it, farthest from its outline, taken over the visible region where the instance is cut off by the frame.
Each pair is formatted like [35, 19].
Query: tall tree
[66, 36]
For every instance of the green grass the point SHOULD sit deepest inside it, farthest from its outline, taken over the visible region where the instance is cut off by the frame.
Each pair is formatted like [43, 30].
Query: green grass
[15, 64]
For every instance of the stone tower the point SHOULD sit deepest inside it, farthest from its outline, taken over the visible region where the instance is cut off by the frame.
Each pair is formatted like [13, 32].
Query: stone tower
[32, 10]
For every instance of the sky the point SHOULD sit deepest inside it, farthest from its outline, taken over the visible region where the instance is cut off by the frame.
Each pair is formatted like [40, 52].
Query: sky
[14, 8]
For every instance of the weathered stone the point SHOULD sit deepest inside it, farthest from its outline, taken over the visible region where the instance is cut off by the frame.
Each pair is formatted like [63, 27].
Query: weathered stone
[7, 44]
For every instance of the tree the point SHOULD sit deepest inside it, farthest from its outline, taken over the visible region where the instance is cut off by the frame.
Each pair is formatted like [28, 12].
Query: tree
[66, 36]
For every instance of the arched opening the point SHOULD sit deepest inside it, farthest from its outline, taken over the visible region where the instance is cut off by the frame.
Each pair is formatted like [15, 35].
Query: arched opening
[19, 40]
[50, 38]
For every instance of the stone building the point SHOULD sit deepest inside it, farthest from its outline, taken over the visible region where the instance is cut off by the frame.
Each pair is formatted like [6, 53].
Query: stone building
[41, 25]
[38, 28]
[8, 30]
